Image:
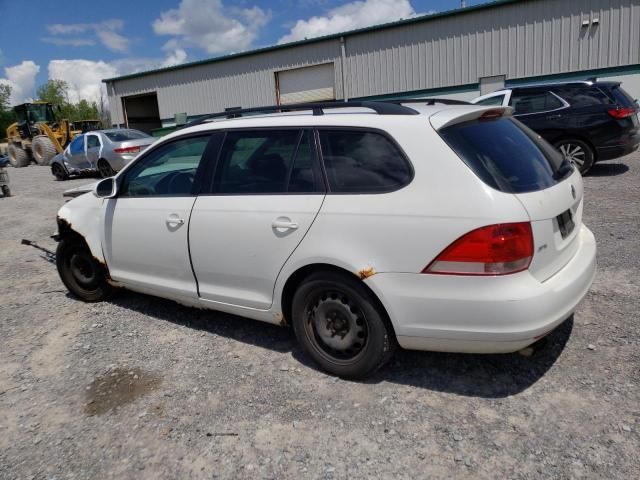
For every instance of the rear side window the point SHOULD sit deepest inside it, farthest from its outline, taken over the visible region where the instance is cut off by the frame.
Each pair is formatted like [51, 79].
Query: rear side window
[622, 98]
[533, 102]
[506, 155]
[584, 97]
[363, 162]
[491, 101]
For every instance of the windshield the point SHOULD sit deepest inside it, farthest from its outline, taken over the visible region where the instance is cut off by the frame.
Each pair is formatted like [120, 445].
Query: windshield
[124, 135]
[40, 112]
[507, 155]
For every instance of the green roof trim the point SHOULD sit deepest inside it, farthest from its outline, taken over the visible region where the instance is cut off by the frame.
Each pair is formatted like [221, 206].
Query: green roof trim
[383, 26]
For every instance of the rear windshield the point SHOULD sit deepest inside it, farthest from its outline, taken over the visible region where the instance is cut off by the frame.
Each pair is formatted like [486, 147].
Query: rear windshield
[507, 155]
[124, 135]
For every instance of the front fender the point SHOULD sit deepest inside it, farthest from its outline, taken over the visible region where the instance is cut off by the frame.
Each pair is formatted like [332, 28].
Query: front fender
[83, 216]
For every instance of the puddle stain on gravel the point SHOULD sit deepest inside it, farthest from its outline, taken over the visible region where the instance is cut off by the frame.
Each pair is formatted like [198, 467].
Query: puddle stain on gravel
[118, 387]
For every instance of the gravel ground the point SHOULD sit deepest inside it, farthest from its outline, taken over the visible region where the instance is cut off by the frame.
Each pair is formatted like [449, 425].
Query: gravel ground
[144, 388]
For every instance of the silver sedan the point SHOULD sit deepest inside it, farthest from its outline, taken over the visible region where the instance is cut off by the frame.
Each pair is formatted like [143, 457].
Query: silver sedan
[105, 151]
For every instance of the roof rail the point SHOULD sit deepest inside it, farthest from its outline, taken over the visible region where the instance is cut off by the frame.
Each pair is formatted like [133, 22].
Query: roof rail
[428, 101]
[381, 108]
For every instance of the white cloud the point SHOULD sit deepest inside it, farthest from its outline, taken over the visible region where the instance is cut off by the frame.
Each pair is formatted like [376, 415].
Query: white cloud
[106, 32]
[176, 57]
[358, 14]
[22, 79]
[211, 26]
[84, 77]
[73, 42]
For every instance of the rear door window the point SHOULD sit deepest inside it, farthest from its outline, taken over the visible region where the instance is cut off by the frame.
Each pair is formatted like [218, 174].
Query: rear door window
[359, 161]
[507, 155]
[526, 102]
[267, 162]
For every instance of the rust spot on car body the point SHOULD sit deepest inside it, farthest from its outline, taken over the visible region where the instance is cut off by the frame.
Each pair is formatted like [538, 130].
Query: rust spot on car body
[366, 273]
[279, 317]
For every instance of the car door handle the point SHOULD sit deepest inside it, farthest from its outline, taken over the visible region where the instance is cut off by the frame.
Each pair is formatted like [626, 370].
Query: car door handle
[553, 117]
[284, 224]
[174, 220]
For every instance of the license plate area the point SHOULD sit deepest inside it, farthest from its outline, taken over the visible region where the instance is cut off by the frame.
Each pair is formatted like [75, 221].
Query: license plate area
[565, 223]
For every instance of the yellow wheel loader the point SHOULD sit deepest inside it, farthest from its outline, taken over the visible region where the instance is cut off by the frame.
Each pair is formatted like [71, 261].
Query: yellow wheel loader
[37, 134]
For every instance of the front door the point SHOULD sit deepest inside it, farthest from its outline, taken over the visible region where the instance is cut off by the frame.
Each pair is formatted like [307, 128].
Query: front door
[75, 156]
[147, 224]
[93, 149]
[266, 193]
[541, 111]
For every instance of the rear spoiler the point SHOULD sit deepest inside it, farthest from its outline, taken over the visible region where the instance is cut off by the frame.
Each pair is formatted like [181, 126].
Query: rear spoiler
[451, 116]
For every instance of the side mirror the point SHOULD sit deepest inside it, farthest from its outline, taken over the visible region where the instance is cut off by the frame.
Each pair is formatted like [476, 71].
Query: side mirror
[107, 188]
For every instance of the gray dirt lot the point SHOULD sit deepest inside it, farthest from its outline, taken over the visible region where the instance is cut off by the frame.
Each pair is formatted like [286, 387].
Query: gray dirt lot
[144, 388]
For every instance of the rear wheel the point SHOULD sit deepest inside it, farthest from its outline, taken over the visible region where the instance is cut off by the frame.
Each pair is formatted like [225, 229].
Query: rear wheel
[82, 274]
[577, 152]
[105, 169]
[339, 323]
[18, 156]
[6, 191]
[59, 172]
[43, 149]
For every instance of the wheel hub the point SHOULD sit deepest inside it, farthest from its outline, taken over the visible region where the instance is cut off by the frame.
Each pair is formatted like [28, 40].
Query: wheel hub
[82, 268]
[337, 324]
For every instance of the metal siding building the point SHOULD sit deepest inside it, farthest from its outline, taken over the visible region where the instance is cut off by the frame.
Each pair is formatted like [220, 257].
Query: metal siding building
[456, 54]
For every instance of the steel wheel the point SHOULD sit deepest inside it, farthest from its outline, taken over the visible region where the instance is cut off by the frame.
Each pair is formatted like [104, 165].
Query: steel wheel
[81, 273]
[336, 326]
[341, 324]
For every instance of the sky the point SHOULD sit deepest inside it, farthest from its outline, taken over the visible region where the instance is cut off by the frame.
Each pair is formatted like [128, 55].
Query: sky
[83, 42]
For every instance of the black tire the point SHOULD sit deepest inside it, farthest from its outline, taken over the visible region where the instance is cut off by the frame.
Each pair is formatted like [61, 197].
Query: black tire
[82, 274]
[341, 325]
[578, 152]
[6, 191]
[105, 169]
[18, 156]
[42, 149]
[59, 172]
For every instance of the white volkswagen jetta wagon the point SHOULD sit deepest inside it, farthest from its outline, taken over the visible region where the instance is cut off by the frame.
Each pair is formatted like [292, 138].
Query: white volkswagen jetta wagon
[364, 225]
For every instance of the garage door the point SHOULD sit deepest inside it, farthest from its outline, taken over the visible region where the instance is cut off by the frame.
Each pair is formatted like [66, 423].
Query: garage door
[308, 84]
[141, 112]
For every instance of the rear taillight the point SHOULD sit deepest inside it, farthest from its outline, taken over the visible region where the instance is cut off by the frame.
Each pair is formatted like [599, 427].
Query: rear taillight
[492, 250]
[127, 150]
[621, 112]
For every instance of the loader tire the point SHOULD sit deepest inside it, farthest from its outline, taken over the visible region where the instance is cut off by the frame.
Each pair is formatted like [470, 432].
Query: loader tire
[43, 149]
[17, 156]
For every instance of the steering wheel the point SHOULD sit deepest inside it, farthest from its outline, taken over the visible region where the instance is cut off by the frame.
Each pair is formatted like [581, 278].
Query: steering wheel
[181, 182]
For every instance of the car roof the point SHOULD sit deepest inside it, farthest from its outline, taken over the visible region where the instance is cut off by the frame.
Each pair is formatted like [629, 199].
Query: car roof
[587, 83]
[340, 117]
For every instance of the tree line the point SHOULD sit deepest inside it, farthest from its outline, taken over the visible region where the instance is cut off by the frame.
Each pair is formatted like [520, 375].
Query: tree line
[55, 92]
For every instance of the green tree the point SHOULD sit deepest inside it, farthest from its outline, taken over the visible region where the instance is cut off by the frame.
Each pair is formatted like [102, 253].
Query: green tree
[6, 114]
[55, 92]
[85, 111]
[5, 96]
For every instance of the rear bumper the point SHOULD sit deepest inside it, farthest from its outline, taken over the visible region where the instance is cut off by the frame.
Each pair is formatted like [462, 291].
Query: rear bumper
[609, 152]
[484, 314]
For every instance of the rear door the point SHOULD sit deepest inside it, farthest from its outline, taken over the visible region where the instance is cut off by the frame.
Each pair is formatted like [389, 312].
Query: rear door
[540, 110]
[266, 192]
